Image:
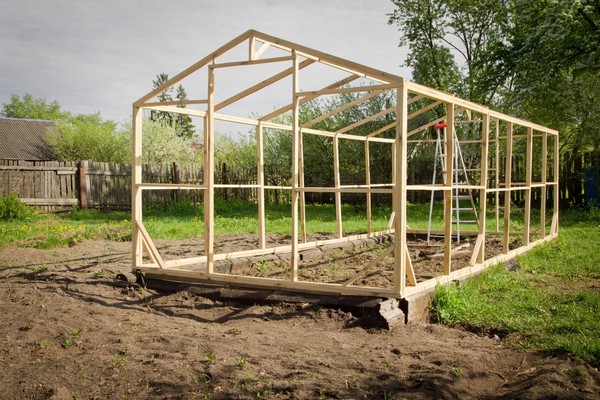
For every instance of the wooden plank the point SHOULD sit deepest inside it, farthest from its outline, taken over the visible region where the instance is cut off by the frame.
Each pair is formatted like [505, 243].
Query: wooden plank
[424, 109]
[307, 98]
[251, 62]
[544, 180]
[507, 184]
[267, 283]
[209, 174]
[485, 136]
[253, 89]
[261, 190]
[343, 107]
[365, 120]
[136, 192]
[555, 222]
[368, 183]
[528, 165]
[48, 201]
[449, 143]
[193, 68]
[428, 125]
[336, 180]
[301, 185]
[295, 166]
[337, 62]
[59, 169]
[372, 264]
[400, 250]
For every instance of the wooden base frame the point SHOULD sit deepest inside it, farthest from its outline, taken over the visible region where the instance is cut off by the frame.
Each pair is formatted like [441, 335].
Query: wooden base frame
[414, 112]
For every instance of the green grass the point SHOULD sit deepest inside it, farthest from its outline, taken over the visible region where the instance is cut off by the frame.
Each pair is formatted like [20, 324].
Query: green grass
[550, 303]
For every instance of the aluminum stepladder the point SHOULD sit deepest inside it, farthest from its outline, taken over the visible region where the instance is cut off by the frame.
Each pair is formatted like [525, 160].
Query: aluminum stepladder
[460, 178]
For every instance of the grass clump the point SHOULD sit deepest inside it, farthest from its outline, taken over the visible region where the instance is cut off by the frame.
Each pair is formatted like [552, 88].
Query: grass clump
[550, 303]
[12, 208]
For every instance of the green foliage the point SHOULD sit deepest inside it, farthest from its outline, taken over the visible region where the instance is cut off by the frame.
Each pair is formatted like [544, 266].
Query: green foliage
[475, 31]
[88, 137]
[181, 123]
[29, 107]
[12, 208]
[162, 143]
[549, 303]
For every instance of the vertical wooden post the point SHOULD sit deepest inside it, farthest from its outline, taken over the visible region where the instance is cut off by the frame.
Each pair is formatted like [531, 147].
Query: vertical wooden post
[295, 163]
[301, 185]
[497, 169]
[336, 179]
[261, 185]
[209, 173]
[544, 184]
[449, 142]
[136, 191]
[368, 183]
[82, 184]
[528, 164]
[399, 193]
[507, 186]
[555, 180]
[485, 135]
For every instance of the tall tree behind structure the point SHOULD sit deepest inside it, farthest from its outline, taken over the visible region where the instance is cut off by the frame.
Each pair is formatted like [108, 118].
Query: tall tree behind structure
[182, 123]
[437, 31]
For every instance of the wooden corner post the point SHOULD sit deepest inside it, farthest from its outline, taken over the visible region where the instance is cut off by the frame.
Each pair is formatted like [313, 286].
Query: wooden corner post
[449, 150]
[399, 192]
[209, 173]
[136, 191]
[295, 164]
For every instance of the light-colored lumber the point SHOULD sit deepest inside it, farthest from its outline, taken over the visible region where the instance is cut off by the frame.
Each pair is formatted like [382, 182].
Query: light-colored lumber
[528, 165]
[295, 166]
[485, 136]
[508, 185]
[400, 250]
[336, 182]
[258, 86]
[260, 167]
[209, 173]
[449, 173]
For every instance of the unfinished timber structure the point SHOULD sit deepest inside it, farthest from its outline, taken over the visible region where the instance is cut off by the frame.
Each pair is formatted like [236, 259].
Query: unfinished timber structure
[512, 167]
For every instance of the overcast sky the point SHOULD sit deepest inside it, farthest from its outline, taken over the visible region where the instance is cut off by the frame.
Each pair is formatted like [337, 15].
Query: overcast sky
[101, 56]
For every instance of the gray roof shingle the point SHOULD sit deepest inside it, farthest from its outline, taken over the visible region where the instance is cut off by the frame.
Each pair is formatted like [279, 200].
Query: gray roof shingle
[24, 139]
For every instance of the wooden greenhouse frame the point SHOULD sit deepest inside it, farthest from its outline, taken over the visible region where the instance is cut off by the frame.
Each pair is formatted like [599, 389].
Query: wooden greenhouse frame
[497, 137]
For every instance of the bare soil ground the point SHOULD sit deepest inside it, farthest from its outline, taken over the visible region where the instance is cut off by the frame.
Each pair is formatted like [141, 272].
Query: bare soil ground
[69, 330]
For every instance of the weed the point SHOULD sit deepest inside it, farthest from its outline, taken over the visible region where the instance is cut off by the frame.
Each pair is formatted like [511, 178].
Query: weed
[28, 326]
[265, 394]
[38, 269]
[44, 344]
[456, 371]
[211, 358]
[240, 362]
[264, 267]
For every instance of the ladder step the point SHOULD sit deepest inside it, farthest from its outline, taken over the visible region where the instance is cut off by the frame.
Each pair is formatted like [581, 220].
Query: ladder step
[466, 222]
[464, 209]
[463, 197]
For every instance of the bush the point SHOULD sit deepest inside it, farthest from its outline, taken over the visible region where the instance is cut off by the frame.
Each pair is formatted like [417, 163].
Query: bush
[12, 208]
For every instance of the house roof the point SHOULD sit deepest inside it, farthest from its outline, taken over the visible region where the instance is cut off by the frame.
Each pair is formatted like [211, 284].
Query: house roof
[24, 139]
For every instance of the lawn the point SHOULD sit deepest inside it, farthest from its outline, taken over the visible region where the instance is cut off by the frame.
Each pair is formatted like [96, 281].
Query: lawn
[551, 301]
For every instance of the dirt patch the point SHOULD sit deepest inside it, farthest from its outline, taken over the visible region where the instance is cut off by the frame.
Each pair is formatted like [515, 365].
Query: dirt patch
[70, 331]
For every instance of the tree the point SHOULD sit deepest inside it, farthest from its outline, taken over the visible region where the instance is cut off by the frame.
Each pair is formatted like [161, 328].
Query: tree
[181, 122]
[437, 31]
[162, 143]
[32, 108]
[88, 137]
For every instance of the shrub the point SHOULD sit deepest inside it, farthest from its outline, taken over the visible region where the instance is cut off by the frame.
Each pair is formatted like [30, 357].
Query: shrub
[12, 208]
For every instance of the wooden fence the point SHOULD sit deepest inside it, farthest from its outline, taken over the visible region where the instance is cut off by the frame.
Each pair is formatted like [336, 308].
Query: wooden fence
[59, 186]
